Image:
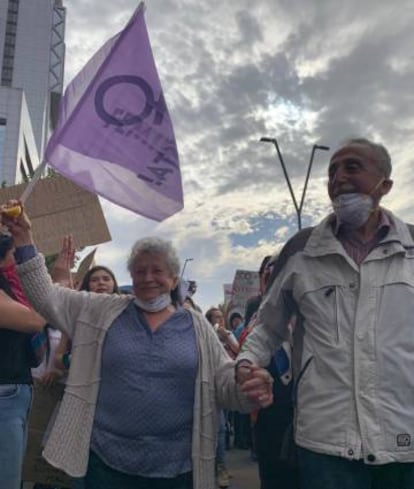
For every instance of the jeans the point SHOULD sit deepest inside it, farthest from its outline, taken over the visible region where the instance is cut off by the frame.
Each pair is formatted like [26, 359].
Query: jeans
[100, 476]
[320, 471]
[15, 401]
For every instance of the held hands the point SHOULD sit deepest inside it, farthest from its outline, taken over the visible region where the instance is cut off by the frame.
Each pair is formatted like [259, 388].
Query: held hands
[256, 383]
[19, 225]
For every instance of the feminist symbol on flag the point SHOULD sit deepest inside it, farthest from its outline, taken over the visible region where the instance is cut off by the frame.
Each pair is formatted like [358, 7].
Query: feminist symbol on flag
[150, 103]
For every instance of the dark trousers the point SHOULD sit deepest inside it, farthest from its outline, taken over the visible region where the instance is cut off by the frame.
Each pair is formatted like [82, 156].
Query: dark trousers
[242, 430]
[320, 471]
[100, 476]
[269, 432]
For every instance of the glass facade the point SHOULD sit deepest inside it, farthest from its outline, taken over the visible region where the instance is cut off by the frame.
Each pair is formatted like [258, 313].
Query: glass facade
[9, 43]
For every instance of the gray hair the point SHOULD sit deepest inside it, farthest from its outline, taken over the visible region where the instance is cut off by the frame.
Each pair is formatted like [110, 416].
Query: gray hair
[155, 246]
[380, 152]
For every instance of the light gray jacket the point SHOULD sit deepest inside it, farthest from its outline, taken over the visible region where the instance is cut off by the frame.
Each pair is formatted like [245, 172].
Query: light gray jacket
[86, 317]
[356, 324]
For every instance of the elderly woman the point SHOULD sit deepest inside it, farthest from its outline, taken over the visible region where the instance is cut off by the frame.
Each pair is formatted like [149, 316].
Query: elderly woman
[147, 376]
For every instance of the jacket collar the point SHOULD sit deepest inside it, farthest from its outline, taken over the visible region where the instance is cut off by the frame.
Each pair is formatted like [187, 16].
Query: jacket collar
[322, 240]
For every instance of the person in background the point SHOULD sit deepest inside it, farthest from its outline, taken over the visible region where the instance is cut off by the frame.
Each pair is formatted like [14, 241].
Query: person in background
[187, 290]
[253, 303]
[98, 279]
[271, 425]
[236, 324]
[216, 318]
[348, 281]
[18, 322]
[188, 303]
[131, 401]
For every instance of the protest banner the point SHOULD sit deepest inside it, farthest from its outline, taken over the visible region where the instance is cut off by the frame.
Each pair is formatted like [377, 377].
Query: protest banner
[245, 286]
[35, 468]
[57, 207]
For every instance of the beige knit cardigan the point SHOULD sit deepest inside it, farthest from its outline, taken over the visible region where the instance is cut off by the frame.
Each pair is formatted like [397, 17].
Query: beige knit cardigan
[85, 318]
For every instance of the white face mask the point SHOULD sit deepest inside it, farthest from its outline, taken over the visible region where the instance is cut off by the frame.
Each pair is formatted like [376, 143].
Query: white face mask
[158, 304]
[352, 210]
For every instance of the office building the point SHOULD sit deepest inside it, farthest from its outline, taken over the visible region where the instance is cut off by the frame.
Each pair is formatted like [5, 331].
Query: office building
[32, 53]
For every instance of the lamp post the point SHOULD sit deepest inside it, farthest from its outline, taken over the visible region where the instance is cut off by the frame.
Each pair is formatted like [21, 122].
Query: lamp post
[298, 208]
[185, 264]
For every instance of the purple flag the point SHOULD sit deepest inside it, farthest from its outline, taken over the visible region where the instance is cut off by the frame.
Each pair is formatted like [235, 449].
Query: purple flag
[114, 136]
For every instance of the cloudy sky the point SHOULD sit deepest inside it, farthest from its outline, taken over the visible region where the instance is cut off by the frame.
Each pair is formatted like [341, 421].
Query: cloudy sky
[303, 71]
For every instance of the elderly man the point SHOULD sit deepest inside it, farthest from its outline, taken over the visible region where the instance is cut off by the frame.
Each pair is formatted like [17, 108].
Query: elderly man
[350, 284]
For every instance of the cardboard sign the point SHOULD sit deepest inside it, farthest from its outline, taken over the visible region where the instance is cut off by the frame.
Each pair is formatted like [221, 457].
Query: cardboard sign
[228, 293]
[84, 266]
[245, 286]
[35, 467]
[57, 207]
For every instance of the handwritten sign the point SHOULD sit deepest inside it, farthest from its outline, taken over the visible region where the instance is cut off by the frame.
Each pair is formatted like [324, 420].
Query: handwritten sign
[245, 286]
[57, 207]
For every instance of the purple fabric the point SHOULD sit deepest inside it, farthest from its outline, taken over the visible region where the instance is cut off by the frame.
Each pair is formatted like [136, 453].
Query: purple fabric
[115, 135]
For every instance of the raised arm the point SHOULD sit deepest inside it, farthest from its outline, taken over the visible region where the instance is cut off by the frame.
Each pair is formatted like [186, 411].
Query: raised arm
[59, 305]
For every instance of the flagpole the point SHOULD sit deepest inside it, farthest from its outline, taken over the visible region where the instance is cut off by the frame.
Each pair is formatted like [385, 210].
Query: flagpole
[35, 178]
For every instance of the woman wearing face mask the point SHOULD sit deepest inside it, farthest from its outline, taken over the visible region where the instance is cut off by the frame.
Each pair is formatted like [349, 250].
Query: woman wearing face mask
[17, 324]
[147, 376]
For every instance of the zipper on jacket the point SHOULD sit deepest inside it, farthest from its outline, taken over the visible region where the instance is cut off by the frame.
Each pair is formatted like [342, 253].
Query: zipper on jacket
[296, 385]
[329, 291]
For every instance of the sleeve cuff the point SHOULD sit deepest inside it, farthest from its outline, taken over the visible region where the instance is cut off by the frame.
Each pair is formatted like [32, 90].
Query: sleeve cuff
[24, 253]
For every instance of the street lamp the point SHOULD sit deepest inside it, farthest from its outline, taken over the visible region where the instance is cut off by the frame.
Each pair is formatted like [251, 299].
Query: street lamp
[185, 264]
[298, 208]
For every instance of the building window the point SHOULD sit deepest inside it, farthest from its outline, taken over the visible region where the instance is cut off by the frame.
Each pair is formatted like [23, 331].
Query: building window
[9, 43]
[2, 143]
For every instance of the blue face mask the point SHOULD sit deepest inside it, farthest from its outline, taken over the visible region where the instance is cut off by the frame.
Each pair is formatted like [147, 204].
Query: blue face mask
[352, 210]
[158, 304]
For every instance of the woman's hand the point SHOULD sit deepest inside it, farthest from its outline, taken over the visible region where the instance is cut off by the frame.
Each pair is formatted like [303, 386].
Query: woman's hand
[222, 333]
[19, 226]
[51, 377]
[64, 262]
[258, 386]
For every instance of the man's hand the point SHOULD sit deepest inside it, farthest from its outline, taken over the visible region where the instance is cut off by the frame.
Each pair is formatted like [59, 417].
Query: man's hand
[257, 384]
[20, 226]
[64, 262]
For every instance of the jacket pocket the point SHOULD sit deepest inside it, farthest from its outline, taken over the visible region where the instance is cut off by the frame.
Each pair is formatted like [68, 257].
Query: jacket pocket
[9, 391]
[320, 307]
